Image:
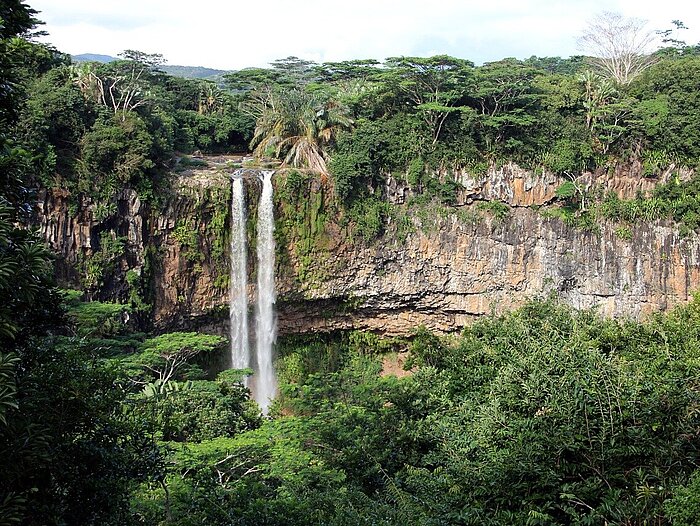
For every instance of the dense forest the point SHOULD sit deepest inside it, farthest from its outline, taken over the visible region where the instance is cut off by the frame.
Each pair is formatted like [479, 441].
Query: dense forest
[541, 416]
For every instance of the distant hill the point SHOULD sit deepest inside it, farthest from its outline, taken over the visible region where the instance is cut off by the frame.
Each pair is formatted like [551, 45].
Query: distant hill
[192, 72]
[93, 57]
[187, 72]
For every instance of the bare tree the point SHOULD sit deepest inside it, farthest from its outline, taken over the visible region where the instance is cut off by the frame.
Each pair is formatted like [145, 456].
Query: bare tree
[119, 86]
[89, 83]
[619, 47]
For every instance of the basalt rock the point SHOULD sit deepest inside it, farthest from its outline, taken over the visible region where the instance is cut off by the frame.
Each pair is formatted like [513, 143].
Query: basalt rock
[441, 275]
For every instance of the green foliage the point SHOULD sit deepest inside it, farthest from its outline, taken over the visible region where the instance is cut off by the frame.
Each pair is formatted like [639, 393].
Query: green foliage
[682, 199]
[434, 86]
[186, 236]
[74, 452]
[96, 128]
[95, 318]
[219, 234]
[265, 476]
[305, 208]
[53, 123]
[115, 153]
[8, 388]
[169, 356]
[24, 276]
[667, 107]
[137, 286]
[297, 127]
[192, 162]
[445, 190]
[345, 168]
[550, 398]
[677, 200]
[566, 190]
[498, 209]
[206, 410]
[416, 169]
[624, 232]
[541, 414]
[368, 217]
[302, 356]
[683, 507]
[98, 267]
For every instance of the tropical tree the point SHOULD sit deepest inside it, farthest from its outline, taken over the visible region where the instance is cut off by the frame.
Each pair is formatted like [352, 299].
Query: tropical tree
[211, 99]
[505, 97]
[434, 85]
[297, 127]
[121, 86]
[607, 110]
[164, 357]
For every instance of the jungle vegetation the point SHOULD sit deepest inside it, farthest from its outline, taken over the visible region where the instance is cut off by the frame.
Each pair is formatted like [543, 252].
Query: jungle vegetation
[94, 128]
[542, 416]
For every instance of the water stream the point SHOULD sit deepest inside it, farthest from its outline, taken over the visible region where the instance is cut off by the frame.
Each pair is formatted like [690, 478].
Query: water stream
[266, 322]
[238, 299]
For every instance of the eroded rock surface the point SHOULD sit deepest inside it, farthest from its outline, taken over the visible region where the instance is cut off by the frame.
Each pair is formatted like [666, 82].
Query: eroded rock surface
[440, 277]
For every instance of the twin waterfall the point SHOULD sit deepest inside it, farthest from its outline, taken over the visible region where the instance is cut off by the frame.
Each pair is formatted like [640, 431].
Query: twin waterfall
[263, 383]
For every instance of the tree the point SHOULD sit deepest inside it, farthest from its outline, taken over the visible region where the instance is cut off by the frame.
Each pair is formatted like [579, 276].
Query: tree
[348, 70]
[254, 79]
[607, 110]
[504, 95]
[619, 47]
[15, 19]
[295, 71]
[434, 85]
[668, 37]
[297, 126]
[165, 356]
[211, 99]
[120, 86]
[668, 107]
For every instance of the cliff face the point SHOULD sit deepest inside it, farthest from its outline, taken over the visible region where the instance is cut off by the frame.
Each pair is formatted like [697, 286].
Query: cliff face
[447, 267]
[443, 279]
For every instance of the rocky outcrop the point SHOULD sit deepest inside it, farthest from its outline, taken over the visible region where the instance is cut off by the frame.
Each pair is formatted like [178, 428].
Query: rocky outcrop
[445, 278]
[515, 186]
[463, 264]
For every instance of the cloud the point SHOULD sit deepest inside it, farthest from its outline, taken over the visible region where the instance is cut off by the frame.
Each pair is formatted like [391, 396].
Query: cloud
[236, 35]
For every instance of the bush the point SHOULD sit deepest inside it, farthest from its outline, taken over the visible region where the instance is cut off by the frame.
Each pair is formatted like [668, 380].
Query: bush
[683, 508]
[206, 410]
[369, 217]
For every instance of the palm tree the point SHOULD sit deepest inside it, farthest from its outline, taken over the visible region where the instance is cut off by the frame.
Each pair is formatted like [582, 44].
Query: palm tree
[297, 127]
[211, 98]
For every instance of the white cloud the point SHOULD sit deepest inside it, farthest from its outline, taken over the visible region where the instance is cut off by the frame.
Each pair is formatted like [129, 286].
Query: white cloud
[235, 35]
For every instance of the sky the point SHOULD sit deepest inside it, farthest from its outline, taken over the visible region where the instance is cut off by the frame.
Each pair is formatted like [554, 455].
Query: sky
[234, 35]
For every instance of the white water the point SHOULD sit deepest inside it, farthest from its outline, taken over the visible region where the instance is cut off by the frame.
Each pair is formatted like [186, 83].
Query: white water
[238, 300]
[265, 387]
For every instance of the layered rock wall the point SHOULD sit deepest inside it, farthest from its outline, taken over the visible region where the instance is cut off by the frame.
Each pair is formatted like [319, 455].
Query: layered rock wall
[462, 264]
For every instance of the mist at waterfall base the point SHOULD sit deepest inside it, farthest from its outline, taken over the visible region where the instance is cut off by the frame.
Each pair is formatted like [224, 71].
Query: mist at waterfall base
[263, 383]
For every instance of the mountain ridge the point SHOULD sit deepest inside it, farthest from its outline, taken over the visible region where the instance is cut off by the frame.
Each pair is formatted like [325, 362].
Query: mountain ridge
[188, 72]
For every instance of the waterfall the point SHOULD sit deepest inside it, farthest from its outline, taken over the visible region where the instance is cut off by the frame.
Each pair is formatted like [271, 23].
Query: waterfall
[266, 323]
[238, 299]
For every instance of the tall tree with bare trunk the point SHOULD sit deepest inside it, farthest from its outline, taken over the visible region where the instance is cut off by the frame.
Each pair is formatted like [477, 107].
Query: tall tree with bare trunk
[619, 47]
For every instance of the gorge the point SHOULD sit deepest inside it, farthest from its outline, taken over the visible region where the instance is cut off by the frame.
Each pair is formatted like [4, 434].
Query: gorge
[416, 291]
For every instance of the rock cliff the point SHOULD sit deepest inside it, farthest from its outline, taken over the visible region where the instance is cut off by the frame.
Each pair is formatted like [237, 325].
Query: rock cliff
[450, 265]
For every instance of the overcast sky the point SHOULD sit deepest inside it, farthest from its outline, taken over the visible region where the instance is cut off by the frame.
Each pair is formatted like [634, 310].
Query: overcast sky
[233, 34]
